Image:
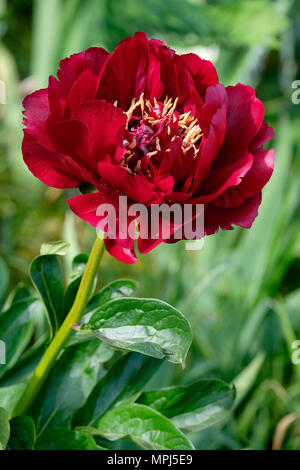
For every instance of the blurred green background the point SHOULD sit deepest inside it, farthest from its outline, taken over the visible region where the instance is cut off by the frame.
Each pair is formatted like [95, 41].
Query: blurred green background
[241, 292]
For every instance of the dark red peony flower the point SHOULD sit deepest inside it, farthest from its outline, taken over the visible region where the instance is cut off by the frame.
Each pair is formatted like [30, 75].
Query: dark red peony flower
[157, 127]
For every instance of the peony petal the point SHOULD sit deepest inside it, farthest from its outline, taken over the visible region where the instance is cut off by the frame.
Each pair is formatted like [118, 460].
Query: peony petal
[85, 206]
[220, 180]
[72, 138]
[106, 125]
[84, 89]
[125, 73]
[166, 58]
[136, 187]
[57, 100]
[244, 215]
[213, 123]
[125, 254]
[145, 245]
[245, 115]
[202, 71]
[72, 67]
[259, 174]
[36, 113]
[47, 165]
[188, 95]
[265, 134]
[72, 82]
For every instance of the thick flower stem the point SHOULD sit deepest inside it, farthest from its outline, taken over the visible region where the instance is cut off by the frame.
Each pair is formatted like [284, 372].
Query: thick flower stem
[64, 332]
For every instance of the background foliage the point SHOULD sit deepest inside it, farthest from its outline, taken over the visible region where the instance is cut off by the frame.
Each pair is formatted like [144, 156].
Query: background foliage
[241, 292]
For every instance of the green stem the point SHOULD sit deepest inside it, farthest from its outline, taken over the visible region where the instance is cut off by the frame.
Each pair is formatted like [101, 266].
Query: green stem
[64, 332]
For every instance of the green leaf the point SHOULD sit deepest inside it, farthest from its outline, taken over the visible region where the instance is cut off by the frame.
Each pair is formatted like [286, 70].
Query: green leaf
[18, 294]
[192, 407]
[78, 338]
[66, 439]
[148, 326]
[78, 266]
[22, 434]
[145, 426]
[55, 248]
[16, 328]
[45, 36]
[25, 366]
[10, 395]
[261, 239]
[47, 277]
[113, 290]
[124, 381]
[22, 293]
[245, 380]
[70, 382]
[3, 278]
[4, 428]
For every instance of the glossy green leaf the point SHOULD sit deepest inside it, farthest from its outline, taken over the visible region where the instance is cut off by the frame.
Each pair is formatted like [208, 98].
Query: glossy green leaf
[192, 407]
[67, 439]
[22, 434]
[148, 326]
[78, 266]
[4, 428]
[113, 290]
[46, 275]
[55, 248]
[70, 382]
[10, 395]
[16, 328]
[25, 366]
[79, 337]
[145, 426]
[22, 293]
[124, 381]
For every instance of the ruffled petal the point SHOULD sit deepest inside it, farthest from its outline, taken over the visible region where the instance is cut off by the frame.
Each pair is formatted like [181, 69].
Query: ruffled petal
[212, 121]
[71, 67]
[203, 72]
[72, 138]
[194, 77]
[167, 59]
[87, 208]
[36, 113]
[220, 180]
[245, 115]
[122, 252]
[252, 183]
[84, 89]
[258, 175]
[77, 78]
[106, 126]
[243, 215]
[125, 73]
[48, 166]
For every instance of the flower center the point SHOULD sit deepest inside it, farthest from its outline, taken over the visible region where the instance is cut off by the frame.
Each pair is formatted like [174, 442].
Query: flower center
[152, 129]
